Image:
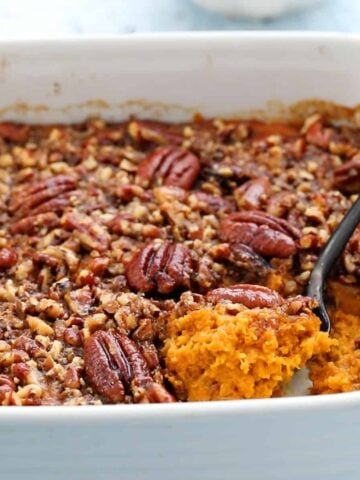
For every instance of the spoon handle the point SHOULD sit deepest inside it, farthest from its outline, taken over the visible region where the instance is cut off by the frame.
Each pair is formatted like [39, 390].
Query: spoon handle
[327, 259]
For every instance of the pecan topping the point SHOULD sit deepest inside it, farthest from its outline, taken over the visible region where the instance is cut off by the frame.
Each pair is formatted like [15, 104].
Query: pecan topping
[109, 230]
[51, 195]
[252, 193]
[252, 296]
[347, 176]
[163, 269]
[267, 235]
[116, 367]
[170, 166]
[8, 258]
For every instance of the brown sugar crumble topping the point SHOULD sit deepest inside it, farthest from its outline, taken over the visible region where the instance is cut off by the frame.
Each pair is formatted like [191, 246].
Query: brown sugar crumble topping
[147, 262]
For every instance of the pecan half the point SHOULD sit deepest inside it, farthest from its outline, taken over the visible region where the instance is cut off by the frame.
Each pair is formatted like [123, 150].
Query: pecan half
[163, 269]
[347, 176]
[170, 166]
[252, 193]
[252, 296]
[116, 367]
[51, 195]
[90, 234]
[267, 235]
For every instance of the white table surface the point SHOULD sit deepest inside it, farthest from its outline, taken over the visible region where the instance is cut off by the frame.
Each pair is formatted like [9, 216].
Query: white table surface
[37, 18]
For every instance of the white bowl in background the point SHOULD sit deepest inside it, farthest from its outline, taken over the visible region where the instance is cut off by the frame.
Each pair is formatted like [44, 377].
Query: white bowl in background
[172, 76]
[257, 9]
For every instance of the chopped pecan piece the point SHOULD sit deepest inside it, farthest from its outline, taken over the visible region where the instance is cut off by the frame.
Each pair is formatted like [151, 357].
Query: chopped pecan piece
[98, 265]
[252, 266]
[252, 296]
[252, 193]
[316, 133]
[91, 235]
[128, 192]
[8, 258]
[267, 235]
[152, 131]
[247, 259]
[116, 367]
[14, 132]
[79, 301]
[281, 203]
[170, 166]
[57, 256]
[7, 387]
[260, 130]
[73, 337]
[162, 268]
[210, 203]
[72, 377]
[29, 345]
[22, 371]
[347, 176]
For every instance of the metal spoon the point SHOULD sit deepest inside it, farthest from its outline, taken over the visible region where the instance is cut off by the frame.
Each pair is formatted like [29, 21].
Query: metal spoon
[332, 250]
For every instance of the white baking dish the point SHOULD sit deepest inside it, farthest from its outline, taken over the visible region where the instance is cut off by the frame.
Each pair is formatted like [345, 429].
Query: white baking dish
[172, 76]
[257, 9]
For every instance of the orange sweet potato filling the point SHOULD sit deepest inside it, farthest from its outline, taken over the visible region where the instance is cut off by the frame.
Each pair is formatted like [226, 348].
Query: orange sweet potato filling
[211, 354]
[339, 369]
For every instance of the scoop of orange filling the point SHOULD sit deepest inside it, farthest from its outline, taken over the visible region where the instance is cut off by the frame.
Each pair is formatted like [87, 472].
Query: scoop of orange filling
[231, 352]
[339, 370]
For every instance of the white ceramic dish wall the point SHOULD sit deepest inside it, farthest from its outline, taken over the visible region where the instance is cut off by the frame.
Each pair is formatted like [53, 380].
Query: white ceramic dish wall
[172, 76]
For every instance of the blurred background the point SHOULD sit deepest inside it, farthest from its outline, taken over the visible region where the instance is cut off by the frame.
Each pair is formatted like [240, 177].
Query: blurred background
[36, 18]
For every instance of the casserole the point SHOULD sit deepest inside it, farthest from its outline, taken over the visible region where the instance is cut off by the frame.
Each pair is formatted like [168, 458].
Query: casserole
[215, 74]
